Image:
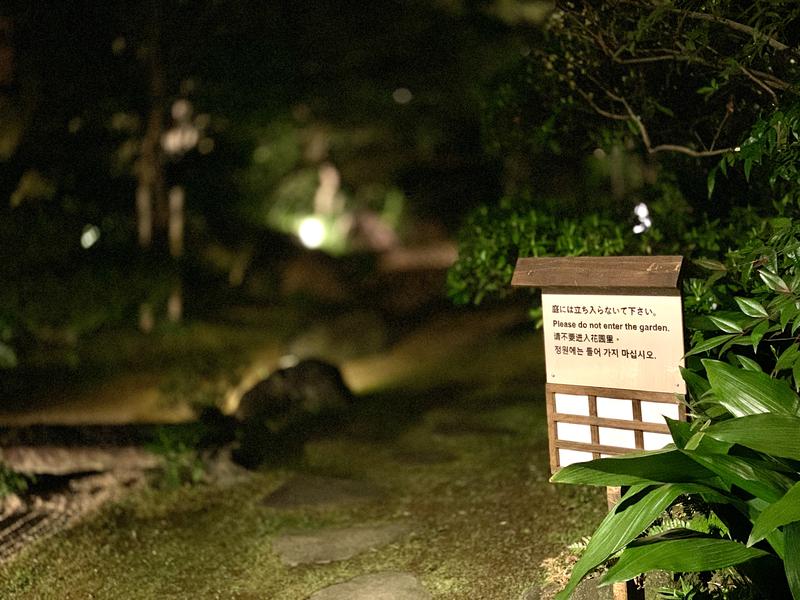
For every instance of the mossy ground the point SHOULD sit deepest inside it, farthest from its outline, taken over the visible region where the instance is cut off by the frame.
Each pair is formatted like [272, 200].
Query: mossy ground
[483, 522]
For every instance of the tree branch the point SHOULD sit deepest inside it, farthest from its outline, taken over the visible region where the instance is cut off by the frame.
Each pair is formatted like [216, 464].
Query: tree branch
[600, 111]
[734, 25]
[662, 147]
[760, 84]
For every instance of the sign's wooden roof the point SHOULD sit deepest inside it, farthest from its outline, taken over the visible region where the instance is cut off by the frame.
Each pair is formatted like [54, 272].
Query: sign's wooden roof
[600, 272]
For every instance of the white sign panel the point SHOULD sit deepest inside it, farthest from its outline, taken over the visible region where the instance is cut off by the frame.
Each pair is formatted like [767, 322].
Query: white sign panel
[624, 342]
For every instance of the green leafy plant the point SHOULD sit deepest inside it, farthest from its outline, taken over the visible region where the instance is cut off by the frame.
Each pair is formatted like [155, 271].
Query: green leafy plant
[12, 482]
[180, 459]
[740, 455]
[738, 465]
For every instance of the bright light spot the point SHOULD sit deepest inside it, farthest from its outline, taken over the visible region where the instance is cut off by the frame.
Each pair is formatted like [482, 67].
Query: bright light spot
[643, 214]
[402, 95]
[89, 237]
[171, 141]
[311, 232]
[189, 137]
[287, 361]
[181, 109]
[599, 153]
[737, 149]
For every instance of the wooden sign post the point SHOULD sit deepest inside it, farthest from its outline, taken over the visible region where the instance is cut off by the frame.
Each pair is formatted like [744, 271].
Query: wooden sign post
[613, 337]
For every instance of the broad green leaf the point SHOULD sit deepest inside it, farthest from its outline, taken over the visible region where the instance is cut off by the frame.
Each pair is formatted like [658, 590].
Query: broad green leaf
[788, 312]
[656, 466]
[774, 282]
[779, 513]
[751, 307]
[681, 431]
[711, 343]
[726, 325]
[697, 385]
[711, 181]
[791, 559]
[787, 358]
[634, 513]
[688, 555]
[796, 374]
[747, 392]
[707, 445]
[748, 363]
[753, 476]
[777, 435]
[758, 333]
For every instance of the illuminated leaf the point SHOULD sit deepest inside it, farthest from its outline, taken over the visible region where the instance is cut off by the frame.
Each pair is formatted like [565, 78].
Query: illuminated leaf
[774, 282]
[748, 392]
[711, 343]
[779, 513]
[688, 555]
[750, 307]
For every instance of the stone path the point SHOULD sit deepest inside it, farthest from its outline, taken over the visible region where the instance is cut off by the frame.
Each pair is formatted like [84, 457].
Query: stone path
[331, 544]
[376, 586]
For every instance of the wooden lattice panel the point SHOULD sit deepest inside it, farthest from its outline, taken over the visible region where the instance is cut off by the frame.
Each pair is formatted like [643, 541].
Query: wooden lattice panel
[589, 422]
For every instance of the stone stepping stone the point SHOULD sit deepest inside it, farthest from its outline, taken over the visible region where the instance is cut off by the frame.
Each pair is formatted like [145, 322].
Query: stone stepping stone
[389, 585]
[313, 490]
[412, 456]
[333, 544]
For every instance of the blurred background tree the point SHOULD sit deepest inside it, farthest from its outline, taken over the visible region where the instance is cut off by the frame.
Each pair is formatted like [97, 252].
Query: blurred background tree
[154, 154]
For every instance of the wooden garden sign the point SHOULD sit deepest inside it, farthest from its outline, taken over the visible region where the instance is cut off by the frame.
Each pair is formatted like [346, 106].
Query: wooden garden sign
[613, 337]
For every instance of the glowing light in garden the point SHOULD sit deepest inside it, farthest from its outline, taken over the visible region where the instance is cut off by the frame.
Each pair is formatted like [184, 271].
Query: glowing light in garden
[402, 95]
[90, 235]
[312, 232]
[643, 214]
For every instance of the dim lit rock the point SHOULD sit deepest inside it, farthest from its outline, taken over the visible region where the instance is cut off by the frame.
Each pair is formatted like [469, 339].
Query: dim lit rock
[329, 545]
[280, 412]
[310, 387]
[389, 585]
[309, 490]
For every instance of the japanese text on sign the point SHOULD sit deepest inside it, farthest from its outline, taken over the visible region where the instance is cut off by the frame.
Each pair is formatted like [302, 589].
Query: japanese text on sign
[626, 342]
